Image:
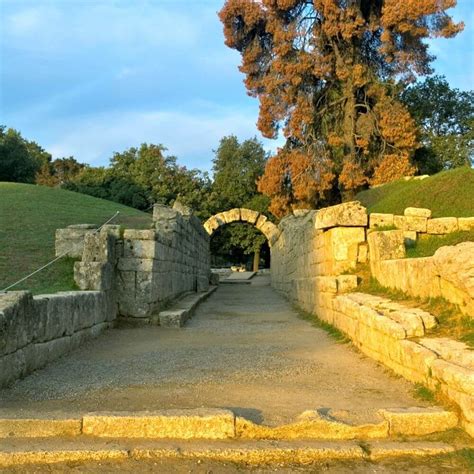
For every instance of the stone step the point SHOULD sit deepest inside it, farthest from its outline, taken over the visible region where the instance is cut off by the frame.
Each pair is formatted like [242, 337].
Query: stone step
[214, 423]
[18, 452]
[182, 310]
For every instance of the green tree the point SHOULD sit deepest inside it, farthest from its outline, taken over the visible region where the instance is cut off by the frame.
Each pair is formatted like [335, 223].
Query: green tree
[237, 167]
[19, 159]
[445, 117]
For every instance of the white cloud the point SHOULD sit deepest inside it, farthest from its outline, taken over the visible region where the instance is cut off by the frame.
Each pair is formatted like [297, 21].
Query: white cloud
[191, 137]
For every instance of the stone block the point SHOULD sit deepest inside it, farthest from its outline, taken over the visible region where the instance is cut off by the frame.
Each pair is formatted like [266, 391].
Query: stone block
[417, 212]
[349, 214]
[415, 421]
[442, 225]
[455, 376]
[136, 234]
[415, 224]
[93, 275]
[204, 423]
[466, 223]
[346, 283]
[249, 215]
[99, 248]
[261, 221]
[450, 350]
[411, 322]
[140, 249]
[163, 213]
[380, 220]
[232, 216]
[386, 245]
[39, 427]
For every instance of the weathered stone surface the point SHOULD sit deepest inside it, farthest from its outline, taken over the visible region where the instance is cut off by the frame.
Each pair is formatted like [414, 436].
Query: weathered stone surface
[442, 225]
[417, 224]
[386, 245]
[214, 278]
[417, 421]
[380, 220]
[349, 214]
[39, 428]
[450, 350]
[182, 424]
[417, 212]
[138, 234]
[248, 215]
[458, 377]
[232, 216]
[455, 264]
[466, 223]
[70, 241]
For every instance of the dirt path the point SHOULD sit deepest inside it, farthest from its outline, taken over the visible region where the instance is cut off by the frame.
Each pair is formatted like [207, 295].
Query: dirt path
[245, 349]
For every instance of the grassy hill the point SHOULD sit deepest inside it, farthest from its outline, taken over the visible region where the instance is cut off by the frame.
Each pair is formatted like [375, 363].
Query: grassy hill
[449, 193]
[29, 217]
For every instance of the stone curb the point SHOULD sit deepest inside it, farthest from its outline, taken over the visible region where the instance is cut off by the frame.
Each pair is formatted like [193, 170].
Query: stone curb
[216, 423]
[184, 310]
[254, 452]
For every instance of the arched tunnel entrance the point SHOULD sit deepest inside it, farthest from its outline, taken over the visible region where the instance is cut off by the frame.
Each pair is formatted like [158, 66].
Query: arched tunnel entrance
[247, 216]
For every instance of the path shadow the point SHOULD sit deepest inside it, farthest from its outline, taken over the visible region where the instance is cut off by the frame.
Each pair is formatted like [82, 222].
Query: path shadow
[251, 414]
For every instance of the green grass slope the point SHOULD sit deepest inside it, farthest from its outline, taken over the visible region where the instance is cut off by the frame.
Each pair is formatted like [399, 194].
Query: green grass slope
[29, 217]
[449, 193]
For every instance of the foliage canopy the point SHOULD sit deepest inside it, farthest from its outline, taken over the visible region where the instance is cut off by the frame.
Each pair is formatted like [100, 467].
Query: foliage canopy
[324, 72]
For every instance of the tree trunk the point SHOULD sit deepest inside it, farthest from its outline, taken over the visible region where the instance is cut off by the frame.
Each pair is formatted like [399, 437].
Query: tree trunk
[256, 260]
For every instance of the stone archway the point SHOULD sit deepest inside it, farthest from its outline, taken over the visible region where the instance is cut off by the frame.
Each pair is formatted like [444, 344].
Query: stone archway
[267, 228]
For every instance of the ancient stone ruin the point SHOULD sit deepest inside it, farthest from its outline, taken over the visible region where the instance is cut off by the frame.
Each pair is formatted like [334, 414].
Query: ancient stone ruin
[135, 275]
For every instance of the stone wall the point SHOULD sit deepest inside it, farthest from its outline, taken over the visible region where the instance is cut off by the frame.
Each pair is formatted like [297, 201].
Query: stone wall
[312, 264]
[159, 265]
[35, 330]
[449, 273]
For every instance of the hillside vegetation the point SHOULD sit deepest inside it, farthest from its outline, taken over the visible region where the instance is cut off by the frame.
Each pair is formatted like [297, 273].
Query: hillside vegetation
[449, 193]
[29, 217]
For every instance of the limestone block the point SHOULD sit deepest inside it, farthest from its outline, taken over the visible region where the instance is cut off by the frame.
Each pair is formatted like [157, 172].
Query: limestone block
[411, 322]
[466, 223]
[138, 264]
[232, 216]
[381, 323]
[208, 423]
[429, 321]
[163, 213]
[415, 421]
[417, 212]
[99, 248]
[455, 376]
[456, 265]
[93, 275]
[417, 224]
[249, 215]
[214, 278]
[400, 222]
[139, 248]
[349, 214]
[380, 220]
[111, 229]
[442, 225]
[326, 284]
[211, 225]
[261, 221]
[386, 245]
[450, 350]
[416, 356]
[136, 234]
[344, 242]
[346, 283]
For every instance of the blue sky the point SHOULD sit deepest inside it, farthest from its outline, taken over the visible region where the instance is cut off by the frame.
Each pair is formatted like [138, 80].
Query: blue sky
[90, 77]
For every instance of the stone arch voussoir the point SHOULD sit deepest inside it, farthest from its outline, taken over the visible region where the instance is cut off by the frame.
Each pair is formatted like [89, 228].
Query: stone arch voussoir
[267, 228]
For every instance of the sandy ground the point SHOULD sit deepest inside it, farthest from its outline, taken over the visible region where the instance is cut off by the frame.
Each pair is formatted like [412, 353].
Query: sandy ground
[245, 349]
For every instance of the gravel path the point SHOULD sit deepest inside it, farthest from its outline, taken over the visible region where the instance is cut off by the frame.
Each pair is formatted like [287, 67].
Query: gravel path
[244, 349]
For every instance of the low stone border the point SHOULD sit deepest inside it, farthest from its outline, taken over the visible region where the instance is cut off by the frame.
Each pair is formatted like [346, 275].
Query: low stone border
[181, 311]
[215, 423]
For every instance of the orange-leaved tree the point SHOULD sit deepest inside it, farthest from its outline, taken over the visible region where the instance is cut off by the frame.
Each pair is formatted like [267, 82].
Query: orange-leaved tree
[326, 74]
